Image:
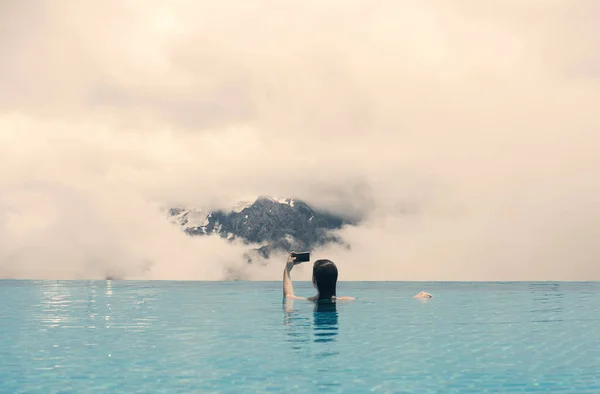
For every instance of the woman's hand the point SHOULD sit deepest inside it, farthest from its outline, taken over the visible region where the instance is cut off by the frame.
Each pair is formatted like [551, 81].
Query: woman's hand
[290, 261]
[288, 288]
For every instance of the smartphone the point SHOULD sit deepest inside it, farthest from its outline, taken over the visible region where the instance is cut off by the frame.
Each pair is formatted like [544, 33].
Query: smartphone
[301, 257]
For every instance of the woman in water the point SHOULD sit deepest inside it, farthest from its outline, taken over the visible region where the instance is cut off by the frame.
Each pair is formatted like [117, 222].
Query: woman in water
[324, 279]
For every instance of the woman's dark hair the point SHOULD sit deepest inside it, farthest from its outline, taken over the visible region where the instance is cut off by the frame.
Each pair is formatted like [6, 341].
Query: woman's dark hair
[325, 274]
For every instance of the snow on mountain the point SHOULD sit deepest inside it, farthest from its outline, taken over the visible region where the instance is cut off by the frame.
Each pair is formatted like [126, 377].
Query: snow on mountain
[276, 223]
[282, 200]
[189, 218]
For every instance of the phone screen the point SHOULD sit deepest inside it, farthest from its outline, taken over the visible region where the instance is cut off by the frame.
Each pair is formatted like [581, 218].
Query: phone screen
[301, 257]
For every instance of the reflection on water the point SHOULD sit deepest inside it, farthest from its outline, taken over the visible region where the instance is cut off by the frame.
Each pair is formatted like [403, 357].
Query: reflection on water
[91, 306]
[297, 326]
[108, 296]
[316, 341]
[324, 327]
[55, 301]
[325, 318]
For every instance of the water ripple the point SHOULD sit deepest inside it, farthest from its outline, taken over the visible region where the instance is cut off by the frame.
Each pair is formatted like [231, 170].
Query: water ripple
[113, 336]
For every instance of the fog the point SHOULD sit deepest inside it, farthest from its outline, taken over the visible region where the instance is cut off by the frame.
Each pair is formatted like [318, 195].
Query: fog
[463, 133]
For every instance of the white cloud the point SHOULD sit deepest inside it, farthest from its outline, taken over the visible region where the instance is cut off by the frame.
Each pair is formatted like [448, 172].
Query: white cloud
[478, 118]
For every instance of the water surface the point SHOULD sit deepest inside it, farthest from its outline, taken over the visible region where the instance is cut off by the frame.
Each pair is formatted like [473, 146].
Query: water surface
[240, 337]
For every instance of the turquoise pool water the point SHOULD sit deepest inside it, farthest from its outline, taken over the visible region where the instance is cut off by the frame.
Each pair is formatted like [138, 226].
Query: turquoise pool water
[239, 337]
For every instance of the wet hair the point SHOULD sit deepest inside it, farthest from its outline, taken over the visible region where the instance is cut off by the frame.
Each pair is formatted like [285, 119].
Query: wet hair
[325, 275]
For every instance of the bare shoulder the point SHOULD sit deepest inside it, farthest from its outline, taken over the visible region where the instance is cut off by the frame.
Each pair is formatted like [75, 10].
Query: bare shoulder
[344, 298]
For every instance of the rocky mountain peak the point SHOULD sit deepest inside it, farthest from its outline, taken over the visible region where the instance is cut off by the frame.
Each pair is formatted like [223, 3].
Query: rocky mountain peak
[277, 224]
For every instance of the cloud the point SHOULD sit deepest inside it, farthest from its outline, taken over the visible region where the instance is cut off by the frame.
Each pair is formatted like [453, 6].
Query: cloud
[465, 133]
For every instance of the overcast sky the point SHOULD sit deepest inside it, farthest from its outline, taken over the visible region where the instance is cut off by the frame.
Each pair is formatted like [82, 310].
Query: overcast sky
[465, 132]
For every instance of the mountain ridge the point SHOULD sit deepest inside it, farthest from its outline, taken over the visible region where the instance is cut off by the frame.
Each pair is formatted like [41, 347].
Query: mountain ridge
[276, 224]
